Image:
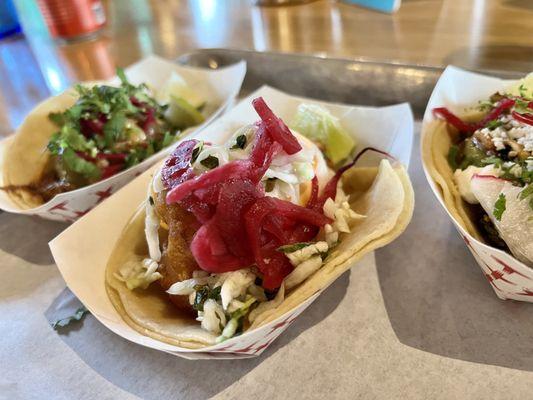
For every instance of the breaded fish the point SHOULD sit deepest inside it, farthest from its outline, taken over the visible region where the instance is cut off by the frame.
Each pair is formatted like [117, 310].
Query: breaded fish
[177, 262]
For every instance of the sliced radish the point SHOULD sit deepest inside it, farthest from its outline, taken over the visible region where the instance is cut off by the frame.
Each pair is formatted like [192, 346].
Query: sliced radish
[515, 225]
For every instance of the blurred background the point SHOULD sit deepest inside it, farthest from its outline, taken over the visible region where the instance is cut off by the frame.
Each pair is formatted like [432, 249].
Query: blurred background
[46, 45]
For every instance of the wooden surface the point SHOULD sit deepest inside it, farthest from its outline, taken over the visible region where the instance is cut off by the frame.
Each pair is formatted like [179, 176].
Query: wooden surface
[482, 34]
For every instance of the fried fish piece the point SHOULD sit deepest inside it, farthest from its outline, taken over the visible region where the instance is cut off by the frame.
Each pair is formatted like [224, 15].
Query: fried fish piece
[177, 262]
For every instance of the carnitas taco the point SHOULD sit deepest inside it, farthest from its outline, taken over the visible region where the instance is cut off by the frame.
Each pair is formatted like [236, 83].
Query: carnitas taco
[482, 161]
[232, 236]
[93, 132]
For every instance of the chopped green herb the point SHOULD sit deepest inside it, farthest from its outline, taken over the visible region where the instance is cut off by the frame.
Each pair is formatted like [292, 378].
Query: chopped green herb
[240, 142]
[114, 128]
[494, 124]
[196, 151]
[122, 76]
[204, 292]
[472, 154]
[521, 106]
[56, 118]
[290, 248]
[75, 163]
[124, 120]
[452, 157]
[496, 161]
[528, 191]
[210, 162]
[499, 207]
[151, 200]
[78, 315]
[522, 89]
[167, 139]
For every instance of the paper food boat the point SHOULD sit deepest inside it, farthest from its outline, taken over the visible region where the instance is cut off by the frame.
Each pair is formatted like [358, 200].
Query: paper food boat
[82, 251]
[219, 87]
[457, 89]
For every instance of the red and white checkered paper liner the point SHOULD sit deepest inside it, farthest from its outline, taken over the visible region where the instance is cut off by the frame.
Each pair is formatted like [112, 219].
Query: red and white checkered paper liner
[457, 89]
[219, 87]
[82, 250]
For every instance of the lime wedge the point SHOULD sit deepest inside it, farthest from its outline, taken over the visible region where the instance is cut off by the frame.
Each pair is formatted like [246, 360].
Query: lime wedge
[319, 125]
[177, 87]
[181, 114]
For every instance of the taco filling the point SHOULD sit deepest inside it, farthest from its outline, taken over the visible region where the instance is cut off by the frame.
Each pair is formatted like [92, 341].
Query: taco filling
[491, 156]
[231, 228]
[109, 129]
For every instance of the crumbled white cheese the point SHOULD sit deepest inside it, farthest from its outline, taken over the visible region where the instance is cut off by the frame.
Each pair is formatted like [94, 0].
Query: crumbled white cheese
[527, 139]
[512, 129]
[497, 136]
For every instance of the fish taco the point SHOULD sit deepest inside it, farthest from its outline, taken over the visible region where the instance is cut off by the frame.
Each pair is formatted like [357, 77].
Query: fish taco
[233, 236]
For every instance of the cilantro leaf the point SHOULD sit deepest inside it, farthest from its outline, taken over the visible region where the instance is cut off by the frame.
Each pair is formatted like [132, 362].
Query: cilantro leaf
[75, 163]
[496, 161]
[499, 207]
[57, 118]
[167, 139]
[122, 76]
[196, 151]
[204, 292]
[290, 248]
[528, 191]
[240, 142]
[77, 316]
[494, 124]
[210, 162]
[113, 128]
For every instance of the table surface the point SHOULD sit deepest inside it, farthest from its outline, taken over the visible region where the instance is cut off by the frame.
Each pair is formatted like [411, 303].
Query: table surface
[480, 34]
[437, 329]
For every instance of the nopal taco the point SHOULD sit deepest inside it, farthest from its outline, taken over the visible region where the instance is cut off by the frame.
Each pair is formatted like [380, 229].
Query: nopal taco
[482, 160]
[232, 236]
